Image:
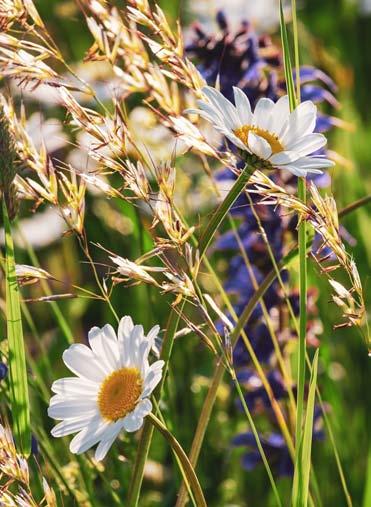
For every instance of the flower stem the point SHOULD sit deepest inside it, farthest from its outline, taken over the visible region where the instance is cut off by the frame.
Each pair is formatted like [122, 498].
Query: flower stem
[302, 329]
[147, 431]
[224, 208]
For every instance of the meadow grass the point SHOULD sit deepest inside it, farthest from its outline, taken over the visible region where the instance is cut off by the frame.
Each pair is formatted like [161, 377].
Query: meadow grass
[140, 239]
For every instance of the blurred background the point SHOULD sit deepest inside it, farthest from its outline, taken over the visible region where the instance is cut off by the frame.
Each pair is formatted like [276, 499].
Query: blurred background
[335, 36]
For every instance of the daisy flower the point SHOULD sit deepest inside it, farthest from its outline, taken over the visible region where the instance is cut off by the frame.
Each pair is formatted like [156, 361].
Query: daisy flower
[112, 388]
[271, 136]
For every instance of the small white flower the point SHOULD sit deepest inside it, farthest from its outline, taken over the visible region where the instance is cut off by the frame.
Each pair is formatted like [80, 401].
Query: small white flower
[112, 388]
[271, 133]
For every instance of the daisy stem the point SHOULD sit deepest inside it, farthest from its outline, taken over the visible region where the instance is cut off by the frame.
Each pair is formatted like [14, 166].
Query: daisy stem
[187, 467]
[302, 326]
[224, 208]
[146, 437]
[147, 431]
[299, 474]
[220, 369]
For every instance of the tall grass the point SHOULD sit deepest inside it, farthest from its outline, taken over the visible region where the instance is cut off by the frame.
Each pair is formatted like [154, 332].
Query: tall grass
[141, 210]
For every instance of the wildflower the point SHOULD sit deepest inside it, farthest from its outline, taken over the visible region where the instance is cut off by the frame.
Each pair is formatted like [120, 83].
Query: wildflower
[275, 447]
[112, 388]
[271, 135]
[3, 370]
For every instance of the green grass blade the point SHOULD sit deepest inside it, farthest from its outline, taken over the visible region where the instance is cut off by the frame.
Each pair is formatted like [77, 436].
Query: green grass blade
[187, 466]
[293, 99]
[147, 431]
[367, 492]
[257, 438]
[308, 427]
[287, 61]
[17, 359]
[302, 469]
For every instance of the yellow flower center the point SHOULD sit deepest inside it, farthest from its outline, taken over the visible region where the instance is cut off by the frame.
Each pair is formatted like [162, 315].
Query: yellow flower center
[119, 393]
[243, 134]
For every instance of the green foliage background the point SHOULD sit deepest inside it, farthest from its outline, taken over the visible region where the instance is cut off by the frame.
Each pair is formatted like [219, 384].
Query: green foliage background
[336, 38]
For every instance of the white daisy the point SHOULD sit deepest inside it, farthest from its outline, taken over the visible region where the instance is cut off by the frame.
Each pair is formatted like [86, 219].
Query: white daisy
[112, 388]
[271, 135]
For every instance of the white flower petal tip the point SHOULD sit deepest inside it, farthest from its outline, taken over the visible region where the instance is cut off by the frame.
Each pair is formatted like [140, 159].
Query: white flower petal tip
[270, 135]
[111, 389]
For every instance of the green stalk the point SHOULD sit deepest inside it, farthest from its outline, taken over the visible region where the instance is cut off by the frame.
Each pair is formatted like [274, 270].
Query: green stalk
[58, 315]
[354, 205]
[256, 436]
[187, 467]
[302, 329]
[224, 208]
[158, 413]
[219, 369]
[19, 398]
[367, 490]
[343, 212]
[147, 431]
[300, 490]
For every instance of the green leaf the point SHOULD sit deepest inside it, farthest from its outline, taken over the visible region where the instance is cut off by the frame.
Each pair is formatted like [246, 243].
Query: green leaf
[19, 399]
[187, 467]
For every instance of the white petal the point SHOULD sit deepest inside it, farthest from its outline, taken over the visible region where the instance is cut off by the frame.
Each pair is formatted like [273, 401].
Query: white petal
[153, 333]
[284, 157]
[142, 357]
[234, 139]
[204, 115]
[106, 442]
[211, 111]
[74, 385]
[308, 144]
[294, 170]
[71, 408]
[136, 338]
[306, 165]
[81, 361]
[262, 113]
[301, 123]
[124, 332]
[89, 436]
[69, 426]
[224, 108]
[152, 378]
[280, 114]
[243, 106]
[143, 408]
[104, 345]
[259, 146]
[132, 422]
[314, 163]
[157, 365]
